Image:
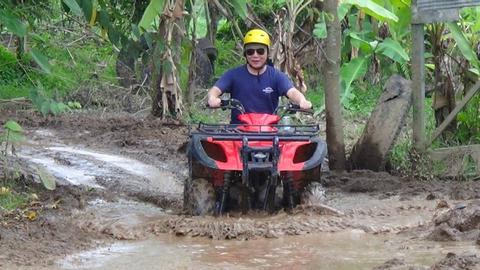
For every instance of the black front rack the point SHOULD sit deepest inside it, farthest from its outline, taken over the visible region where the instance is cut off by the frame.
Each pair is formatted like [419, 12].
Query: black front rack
[244, 129]
[257, 132]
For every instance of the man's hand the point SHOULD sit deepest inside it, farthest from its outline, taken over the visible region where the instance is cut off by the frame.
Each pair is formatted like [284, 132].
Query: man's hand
[213, 97]
[298, 98]
[214, 102]
[305, 104]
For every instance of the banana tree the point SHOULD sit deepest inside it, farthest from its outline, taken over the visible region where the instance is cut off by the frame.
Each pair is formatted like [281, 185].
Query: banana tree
[457, 67]
[283, 49]
[368, 46]
[162, 27]
[167, 94]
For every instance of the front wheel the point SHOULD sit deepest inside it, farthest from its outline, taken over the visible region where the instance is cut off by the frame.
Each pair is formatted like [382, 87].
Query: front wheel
[198, 197]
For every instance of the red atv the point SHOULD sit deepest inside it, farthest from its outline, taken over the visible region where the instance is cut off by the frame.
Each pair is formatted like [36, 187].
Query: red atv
[259, 164]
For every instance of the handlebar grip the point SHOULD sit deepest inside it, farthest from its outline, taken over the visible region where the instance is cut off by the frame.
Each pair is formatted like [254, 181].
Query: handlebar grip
[224, 102]
[309, 111]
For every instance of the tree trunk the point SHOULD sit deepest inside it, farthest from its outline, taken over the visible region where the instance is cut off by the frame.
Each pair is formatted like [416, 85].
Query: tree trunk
[214, 16]
[167, 95]
[335, 140]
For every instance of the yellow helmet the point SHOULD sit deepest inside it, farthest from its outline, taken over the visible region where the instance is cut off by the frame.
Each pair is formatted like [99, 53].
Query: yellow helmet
[256, 36]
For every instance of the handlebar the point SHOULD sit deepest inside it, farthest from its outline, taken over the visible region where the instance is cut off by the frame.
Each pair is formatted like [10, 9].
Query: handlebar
[289, 108]
[230, 104]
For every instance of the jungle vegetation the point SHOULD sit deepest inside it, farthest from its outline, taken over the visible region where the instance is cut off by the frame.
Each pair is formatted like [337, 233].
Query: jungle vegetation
[58, 55]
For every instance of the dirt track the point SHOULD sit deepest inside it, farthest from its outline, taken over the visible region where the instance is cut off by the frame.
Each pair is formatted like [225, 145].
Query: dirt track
[375, 203]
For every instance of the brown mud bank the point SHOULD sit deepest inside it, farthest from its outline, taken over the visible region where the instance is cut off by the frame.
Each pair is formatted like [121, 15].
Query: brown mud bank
[51, 232]
[120, 178]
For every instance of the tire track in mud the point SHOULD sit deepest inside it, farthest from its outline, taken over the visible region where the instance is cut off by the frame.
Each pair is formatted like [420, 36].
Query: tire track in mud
[74, 166]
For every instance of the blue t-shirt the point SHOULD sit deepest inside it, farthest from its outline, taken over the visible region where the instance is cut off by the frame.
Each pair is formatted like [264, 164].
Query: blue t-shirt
[258, 94]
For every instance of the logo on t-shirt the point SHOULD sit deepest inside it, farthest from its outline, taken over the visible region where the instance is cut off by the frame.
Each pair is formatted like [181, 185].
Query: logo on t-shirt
[267, 90]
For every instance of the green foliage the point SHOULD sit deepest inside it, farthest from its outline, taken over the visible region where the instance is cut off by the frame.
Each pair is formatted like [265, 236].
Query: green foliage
[317, 97]
[265, 10]
[12, 134]
[240, 6]
[74, 105]
[13, 23]
[468, 126]
[74, 7]
[44, 104]
[320, 30]
[464, 46]
[404, 160]
[350, 72]
[373, 9]
[226, 56]
[12, 75]
[400, 30]
[393, 56]
[393, 50]
[398, 156]
[70, 67]
[10, 200]
[47, 179]
[364, 99]
[153, 10]
[41, 60]
[200, 114]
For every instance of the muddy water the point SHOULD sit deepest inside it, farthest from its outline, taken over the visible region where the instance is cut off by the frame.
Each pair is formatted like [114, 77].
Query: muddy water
[345, 250]
[370, 230]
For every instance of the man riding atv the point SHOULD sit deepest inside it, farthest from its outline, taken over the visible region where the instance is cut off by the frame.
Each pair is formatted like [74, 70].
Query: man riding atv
[256, 85]
[253, 162]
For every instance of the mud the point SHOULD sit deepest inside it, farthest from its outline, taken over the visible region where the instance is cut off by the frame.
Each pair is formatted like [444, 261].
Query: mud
[451, 261]
[459, 222]
[454, 261]
[53, 234]
[104, 196]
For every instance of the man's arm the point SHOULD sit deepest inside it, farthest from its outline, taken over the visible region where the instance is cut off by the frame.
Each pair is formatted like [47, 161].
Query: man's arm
[298, 98]
[213, 97]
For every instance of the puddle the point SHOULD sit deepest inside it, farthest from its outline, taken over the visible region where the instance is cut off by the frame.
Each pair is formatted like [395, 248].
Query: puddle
[71, 175]
[162, 178]
[82, 167]
[351, 250]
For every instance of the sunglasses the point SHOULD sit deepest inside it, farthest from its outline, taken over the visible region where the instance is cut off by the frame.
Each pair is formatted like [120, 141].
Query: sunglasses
[250, 52]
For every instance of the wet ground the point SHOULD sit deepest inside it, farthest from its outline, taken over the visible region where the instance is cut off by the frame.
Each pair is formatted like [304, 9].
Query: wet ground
[118, 206]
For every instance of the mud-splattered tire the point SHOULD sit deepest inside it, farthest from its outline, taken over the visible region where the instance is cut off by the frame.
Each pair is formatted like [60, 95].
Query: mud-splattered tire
[199, 197]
